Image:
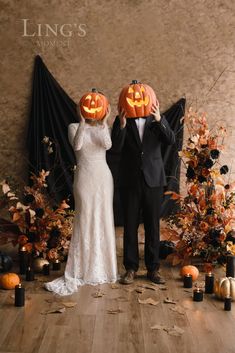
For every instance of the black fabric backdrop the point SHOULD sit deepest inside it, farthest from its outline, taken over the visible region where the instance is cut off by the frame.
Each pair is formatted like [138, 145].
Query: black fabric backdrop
[52, 110]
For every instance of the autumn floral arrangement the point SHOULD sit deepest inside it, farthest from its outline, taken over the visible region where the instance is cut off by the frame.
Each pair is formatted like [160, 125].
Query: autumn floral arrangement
[204, 225]
[42, 227]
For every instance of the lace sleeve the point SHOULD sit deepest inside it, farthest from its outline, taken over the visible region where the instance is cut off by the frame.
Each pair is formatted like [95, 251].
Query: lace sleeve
[76, 135]
[106, 141]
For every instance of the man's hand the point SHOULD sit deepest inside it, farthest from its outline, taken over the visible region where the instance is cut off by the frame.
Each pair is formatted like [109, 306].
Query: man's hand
[156, 113]
[122, 118]
[81, 117]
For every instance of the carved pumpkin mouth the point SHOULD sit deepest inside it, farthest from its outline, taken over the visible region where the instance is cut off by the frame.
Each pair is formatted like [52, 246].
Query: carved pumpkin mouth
[138, 103]
[92, 110]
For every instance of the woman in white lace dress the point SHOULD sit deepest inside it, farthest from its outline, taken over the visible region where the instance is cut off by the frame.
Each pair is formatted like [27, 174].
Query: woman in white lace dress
[92, 254]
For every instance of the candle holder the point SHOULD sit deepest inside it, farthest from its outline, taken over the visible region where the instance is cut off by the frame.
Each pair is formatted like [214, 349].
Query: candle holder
[19, 295]
[227, 303]
[23, 260]
[29, 274]
[56, 265]
[209, 283]
[188, 281]
[46, 269]
[230, 266]
[197, 295]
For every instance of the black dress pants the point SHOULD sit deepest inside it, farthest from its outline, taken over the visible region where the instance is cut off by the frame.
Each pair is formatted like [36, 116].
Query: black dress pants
[149, 199]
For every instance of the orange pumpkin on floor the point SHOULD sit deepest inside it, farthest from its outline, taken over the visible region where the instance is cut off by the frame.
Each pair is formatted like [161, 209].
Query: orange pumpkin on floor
[9, 280]
[93, 105]
[137, 100]
[189, 269]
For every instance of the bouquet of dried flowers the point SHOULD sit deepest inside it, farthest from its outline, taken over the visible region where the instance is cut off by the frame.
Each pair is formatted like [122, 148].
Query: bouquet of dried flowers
[204, 226]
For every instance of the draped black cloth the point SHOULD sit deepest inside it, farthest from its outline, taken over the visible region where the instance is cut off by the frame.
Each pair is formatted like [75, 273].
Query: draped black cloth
[52, 110]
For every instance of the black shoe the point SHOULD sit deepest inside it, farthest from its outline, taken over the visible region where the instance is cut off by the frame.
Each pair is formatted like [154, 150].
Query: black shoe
[128, 278]
[155, 277]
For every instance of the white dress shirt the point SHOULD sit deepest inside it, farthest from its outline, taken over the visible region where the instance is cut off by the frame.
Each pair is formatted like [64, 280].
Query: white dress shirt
[140, 123]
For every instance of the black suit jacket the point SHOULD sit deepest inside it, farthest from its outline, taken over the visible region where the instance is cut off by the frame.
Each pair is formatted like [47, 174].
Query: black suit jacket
[136, 156]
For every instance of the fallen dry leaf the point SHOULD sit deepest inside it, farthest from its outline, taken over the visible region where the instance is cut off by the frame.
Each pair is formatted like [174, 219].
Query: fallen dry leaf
[178, 309]
[115, 286]
[149, 301]
[54, 311]
[69, 304]
[114, 311]
[122, 299]
[162, 287]
[174, 331]
[159, 327]
[98, 294]
[169, 301]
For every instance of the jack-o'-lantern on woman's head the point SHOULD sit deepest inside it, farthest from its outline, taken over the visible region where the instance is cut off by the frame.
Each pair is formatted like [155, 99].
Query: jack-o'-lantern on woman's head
[93, 105]
[137, 100]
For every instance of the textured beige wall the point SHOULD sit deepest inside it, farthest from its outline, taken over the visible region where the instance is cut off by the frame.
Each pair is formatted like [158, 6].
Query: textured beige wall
[180, 47]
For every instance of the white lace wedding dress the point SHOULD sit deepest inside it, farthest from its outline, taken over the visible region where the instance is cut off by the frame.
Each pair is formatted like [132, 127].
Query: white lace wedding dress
[92, 254]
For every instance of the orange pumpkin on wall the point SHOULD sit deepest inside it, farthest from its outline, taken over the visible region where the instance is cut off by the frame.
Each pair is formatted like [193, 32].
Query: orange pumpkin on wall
[137, 99]
[9, 280]
[93, 105]
[189, 269]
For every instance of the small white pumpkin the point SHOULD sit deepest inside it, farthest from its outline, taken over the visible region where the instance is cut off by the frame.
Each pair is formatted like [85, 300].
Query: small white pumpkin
[225, 287]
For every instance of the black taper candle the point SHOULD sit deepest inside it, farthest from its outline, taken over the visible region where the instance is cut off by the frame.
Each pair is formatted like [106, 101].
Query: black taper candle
[56, 265]
[23, 260]
[46, 269]
[29, 274]
[19, 295]
[230, 266]
[188, 281]
[198, 295]
[227, 303]
[209, 283]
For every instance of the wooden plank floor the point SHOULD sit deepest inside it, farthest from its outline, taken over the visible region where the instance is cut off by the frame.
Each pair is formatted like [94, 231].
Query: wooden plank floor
[88, 327]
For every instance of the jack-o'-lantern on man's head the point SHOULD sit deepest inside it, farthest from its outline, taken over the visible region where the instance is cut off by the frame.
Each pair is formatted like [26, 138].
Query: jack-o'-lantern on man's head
[137, 100]
[93, 105]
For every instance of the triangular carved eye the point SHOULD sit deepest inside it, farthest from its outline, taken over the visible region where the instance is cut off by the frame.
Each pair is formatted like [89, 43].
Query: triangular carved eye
[130, 90]
[97, 98]
[88, 97]
[142, 89]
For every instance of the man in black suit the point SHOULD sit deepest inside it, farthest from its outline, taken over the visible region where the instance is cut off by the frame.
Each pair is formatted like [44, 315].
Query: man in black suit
[141, 181]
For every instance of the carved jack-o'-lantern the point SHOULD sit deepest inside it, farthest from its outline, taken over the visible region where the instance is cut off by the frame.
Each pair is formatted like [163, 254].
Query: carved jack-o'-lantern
[93, 105]
[137, 100]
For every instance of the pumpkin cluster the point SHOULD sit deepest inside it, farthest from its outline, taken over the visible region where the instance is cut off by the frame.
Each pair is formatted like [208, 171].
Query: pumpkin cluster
[136, 100]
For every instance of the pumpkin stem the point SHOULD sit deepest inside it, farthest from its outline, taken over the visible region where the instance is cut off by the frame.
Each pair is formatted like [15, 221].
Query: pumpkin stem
[93, 90]
[134, 82]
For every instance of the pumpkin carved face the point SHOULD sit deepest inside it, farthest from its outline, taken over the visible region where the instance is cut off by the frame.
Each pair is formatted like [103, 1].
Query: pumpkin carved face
[93, 105]
[137, 100]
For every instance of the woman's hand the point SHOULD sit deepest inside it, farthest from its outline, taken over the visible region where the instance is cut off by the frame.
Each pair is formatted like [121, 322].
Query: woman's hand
[156, 112]
[107, 115]
[81, 117]
[122, 118]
